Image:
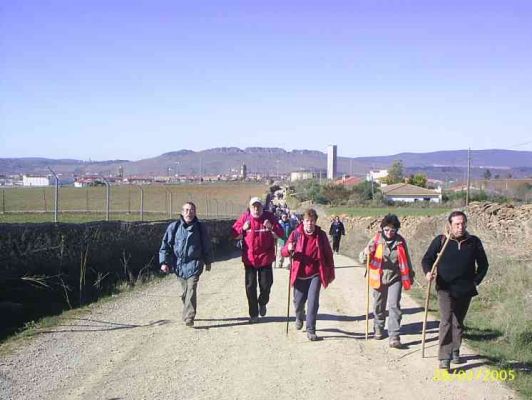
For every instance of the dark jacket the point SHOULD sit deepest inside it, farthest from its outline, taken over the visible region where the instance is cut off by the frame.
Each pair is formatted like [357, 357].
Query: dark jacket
[287, 228]
[462, 266]
[337, 229]
[186, 248]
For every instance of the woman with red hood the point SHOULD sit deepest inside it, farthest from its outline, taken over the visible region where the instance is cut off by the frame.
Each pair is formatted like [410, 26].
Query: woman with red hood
[312, 267]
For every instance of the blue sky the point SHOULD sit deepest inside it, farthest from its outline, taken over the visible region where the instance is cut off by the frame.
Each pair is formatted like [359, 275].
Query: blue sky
[130, 79]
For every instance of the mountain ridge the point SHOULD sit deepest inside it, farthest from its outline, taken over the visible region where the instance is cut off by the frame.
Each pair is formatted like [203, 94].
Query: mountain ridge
[272, 161]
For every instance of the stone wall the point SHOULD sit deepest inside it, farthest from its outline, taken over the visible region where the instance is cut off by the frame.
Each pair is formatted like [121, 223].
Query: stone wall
[45, 268]
[504, 229]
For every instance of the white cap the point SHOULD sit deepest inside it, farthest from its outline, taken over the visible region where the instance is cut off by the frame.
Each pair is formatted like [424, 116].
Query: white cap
[254, 200]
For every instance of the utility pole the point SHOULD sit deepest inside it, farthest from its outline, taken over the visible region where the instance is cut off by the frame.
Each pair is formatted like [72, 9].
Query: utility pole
[468, 176]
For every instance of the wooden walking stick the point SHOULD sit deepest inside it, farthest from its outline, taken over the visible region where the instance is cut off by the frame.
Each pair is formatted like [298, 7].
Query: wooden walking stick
[288, 302]
[276, 255]
[367, 297]
[432, 273]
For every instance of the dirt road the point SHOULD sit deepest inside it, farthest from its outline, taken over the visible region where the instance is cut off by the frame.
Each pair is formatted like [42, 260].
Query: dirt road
[136, 347]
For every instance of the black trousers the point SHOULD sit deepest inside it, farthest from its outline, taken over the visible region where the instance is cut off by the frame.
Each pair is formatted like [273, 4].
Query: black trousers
[452, 315]
[336, 243]
[264, 275]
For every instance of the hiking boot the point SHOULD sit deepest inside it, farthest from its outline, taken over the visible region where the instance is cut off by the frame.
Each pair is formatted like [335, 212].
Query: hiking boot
[262, 310]
[379, 334]
[456, 357]
[299, 324]
[253, 320]
[445, 365]
[395, 342]
[313, 337]
[189, 323]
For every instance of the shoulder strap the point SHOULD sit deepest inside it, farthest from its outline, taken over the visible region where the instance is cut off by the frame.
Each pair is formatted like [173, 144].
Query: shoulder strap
[200, 227]
[442, 241]
[174, 231]
[296, 237]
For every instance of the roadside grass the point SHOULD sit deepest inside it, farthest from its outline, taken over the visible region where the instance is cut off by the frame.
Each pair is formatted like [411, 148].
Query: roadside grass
[382, 211]
[499, 322]
[43, 325]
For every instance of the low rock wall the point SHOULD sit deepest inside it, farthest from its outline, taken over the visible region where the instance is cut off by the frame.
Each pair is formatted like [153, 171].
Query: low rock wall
[45, 268]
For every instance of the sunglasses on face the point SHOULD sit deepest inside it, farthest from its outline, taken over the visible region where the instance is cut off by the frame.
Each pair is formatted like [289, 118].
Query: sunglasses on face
[389, 230]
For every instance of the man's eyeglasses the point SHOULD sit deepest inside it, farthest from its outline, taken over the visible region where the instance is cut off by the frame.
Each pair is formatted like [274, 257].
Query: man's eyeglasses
[389, 230]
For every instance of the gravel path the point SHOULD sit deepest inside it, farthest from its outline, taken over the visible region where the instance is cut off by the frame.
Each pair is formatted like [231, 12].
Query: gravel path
[136, 347]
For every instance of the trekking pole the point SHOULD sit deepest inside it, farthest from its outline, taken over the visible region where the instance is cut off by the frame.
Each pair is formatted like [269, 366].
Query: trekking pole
[288, 302]
[432, 273]
[367, 297]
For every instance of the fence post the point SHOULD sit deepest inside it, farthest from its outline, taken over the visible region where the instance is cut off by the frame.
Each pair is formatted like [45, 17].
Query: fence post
[107, 197]
[216, 202]
[169, 209]
[44, 205]
[128, 200]
[141, 202]
[56, 202]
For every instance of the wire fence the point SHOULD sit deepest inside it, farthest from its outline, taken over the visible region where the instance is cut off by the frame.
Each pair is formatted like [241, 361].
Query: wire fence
[124, 202]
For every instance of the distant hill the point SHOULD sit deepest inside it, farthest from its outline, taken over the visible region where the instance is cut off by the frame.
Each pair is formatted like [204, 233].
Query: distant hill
[273, 161]
[458, 158]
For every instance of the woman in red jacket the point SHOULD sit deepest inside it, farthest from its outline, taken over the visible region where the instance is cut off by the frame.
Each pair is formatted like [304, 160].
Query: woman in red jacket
[312, 266]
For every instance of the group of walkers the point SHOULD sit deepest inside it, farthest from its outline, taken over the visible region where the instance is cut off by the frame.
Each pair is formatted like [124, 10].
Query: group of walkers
[186, 249]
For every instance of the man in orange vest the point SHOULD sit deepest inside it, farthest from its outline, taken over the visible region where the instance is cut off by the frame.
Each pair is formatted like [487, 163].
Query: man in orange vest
[390, 271]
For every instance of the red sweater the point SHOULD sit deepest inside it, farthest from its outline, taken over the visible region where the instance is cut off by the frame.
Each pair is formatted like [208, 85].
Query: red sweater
[310, 265]
[311, 251]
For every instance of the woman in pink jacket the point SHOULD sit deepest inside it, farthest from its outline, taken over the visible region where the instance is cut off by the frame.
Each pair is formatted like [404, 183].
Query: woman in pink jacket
[312, 267]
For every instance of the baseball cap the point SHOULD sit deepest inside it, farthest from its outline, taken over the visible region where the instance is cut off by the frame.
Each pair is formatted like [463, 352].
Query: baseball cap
[254, 200]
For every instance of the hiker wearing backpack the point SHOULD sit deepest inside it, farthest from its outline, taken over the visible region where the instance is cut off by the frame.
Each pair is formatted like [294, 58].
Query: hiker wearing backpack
[287, 228]
[312, 267]
[462, 266]
[186, 249]
[390, 271]
[258, 229]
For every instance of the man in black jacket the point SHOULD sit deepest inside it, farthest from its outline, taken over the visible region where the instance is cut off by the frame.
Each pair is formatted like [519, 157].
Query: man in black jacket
[337, 230]
[462, 267]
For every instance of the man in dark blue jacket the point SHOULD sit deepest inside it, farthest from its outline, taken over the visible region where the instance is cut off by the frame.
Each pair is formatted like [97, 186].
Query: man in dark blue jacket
[186, 248]
[462, 267]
